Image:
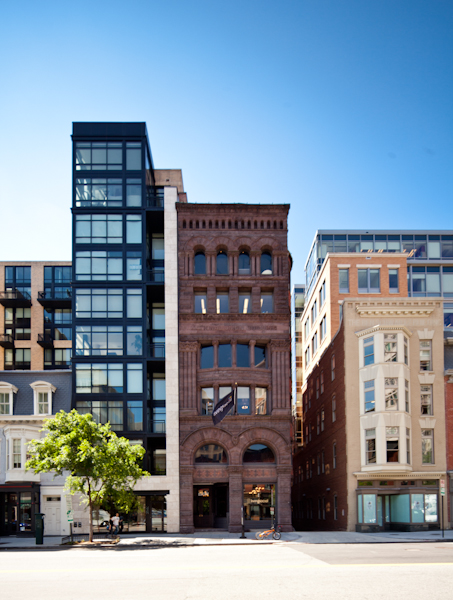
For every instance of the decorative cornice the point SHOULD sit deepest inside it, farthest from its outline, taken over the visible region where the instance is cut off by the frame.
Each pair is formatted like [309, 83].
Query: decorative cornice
[188, 346]
[377, 328]
[395, 475]
[393, 311]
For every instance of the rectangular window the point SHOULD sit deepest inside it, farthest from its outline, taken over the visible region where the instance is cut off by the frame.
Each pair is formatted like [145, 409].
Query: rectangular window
[370, 446]
[135, 379]
[98, 229]
[134, 307]
[406, 395]
[314, 344]
[43, 403]
[369, 281]
[406, 352]
[428, 446]
[307, 357]
[426, 399]
[133, 156]
[344, 281]
[99, 378]
[99, 340]
[103, 411]
[322, 294]
[391, 393]
[134, 268]
[323, 328]
[335, 508]
[306, 329]
[243, 400]
[98, 156]
[267, 302]
[133, 229]
[17, 454]
[133, 192]
[225, 357]
[314, 312]
[332, 367]
[243, 356]
[425, 355]
[322, 382]
[99, 303]
[134, 340]
[260, 401]
[334, 409]
[334, 456]
[390, 347]
[408, 446]
[369, 396]
[393, 281]
[222, 303]
[207, 400]
[260, 357]
[323, 418]
[99, 266]
[245, 303]
[5, 404]
[200, 303]
[392, 439]
[135, 415]
[99, 193]
[368, 351]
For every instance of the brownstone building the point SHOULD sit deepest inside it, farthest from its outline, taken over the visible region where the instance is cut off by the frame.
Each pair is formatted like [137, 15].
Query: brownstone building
[234, 333]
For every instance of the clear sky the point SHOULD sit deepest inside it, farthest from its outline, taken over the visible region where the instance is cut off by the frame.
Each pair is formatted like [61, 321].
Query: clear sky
[341, 108]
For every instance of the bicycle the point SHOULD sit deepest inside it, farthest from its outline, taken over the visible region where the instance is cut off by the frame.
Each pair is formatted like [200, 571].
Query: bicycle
[274, 531]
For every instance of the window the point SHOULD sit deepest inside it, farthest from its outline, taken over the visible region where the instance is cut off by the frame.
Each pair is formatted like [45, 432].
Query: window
[334, 408]
[17, 453]
[323, 461]
[323, 328]
[134, 340]
[406, 395]
[99, 340]
[393, 281]
[344, 281]
[222, 263]
[370, 446]
[425, 355]
[369, 281]
[260, 357]
[266, 263]
[99, 266]
[314, 312]
[103, 411]
[318, 424]
[391, 393]
[98, 156]
[242, 355]
[58, 358]
[426, 399]
[428, 446]
[133, 192]
[406, 351]
[210, 453]
[133, 229]
[334, 456]
[99, 193]
[318, 464]
[243, 400]
[322, 419]
[335, 507]
[314, 344]
[103, 303]
[200, 301]
[317, 388]
[133, 156]
[322, 293]
[18, 358]
[6, 397]
[368, 351]
[99, 229]
[245, 303]
[134, 305]
[42, 397]
[306, 329]
[200, 263]
[244, 263]
[322, 382]
[369, 396]
[135, 379]
[258, 453]
[332, 367]
[99, 378]
[408, 446]
[307, 356]
[222, 303]
[267, 302]
[207, 357]
[392, 438]
[390, 347]
[260, 401]
[225, 356]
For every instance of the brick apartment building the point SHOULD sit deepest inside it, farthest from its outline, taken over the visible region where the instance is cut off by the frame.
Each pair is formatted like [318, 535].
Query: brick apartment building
[234, 332]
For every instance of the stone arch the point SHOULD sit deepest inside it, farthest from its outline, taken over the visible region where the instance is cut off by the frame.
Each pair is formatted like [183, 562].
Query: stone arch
[263, 435]
[205, 435]
[268, 243]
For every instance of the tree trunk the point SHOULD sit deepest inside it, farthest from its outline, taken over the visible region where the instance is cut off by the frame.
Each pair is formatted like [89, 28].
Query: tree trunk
[90, 506]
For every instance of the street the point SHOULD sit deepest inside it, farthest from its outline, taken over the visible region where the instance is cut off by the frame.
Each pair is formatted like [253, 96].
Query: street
[350, 571]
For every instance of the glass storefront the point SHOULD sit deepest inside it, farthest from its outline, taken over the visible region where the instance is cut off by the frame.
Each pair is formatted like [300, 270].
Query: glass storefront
[259, 504]
[17, 510]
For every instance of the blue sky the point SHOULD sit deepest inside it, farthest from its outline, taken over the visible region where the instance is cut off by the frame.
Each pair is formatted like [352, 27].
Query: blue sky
[341, 108]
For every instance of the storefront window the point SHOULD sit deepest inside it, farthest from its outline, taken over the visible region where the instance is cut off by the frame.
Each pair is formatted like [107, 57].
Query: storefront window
[369, 508]
[417, 507]
[259, 501]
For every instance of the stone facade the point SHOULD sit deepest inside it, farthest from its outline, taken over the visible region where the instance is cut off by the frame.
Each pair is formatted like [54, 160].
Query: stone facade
[232, 230]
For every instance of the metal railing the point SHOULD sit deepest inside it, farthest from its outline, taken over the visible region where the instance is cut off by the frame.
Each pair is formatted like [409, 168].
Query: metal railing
[14, 295]
[156, 350]
[155, 275]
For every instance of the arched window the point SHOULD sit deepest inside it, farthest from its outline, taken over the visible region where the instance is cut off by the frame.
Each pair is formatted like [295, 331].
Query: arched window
[211, 453]
[258, 453]
[266, 263]
[222, 263]
[199, 263]
[244, 263]
[42, 397]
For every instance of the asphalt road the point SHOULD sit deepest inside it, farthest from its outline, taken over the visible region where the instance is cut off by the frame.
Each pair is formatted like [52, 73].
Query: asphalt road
[276, 571]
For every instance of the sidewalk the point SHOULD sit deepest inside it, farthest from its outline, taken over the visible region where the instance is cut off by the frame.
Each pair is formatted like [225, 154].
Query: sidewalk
[214, 538]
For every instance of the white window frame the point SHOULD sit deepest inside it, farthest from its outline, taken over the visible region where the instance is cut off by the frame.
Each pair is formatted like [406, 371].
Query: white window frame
[8, 389]
[42, 387]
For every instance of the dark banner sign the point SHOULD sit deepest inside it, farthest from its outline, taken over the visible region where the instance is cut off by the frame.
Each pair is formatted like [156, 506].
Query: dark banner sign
[222, 408]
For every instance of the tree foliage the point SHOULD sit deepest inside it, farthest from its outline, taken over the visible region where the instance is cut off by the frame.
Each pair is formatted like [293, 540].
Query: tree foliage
[102, 467]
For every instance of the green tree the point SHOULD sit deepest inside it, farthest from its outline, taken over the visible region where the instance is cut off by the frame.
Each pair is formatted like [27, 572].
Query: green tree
[102, 467]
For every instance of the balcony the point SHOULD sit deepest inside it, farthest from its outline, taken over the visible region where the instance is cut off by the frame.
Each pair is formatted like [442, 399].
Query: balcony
[45, 340]
[56, 299]
[154, 197]
[15, 299]
[6, 340]
[157, 426]
[155, 275]
[156, 350]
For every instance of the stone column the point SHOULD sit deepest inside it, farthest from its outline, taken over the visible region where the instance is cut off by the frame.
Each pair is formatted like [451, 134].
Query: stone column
[188, 377]
[186, 498]
[252, 353]
[284, 498]
[236, 493]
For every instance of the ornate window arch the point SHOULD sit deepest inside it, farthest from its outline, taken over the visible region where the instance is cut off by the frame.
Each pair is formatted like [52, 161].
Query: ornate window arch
[211, 454]
[42, 397]
[259, 453]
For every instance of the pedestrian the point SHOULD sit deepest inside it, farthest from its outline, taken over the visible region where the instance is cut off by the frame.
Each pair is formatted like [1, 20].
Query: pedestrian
[115, 523]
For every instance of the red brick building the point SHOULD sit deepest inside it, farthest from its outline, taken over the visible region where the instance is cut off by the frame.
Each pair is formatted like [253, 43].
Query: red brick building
[234, 333]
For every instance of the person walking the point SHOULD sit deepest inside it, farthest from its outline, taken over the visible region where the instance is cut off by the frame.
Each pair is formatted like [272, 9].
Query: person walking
[116, 524]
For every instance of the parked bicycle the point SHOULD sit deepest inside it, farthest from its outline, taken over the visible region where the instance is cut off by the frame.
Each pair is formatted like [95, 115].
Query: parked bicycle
[275, 532]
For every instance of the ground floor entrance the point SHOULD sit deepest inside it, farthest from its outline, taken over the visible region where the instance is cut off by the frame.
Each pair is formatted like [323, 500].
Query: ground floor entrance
[210, 506]
[150, 516]
[18, 505]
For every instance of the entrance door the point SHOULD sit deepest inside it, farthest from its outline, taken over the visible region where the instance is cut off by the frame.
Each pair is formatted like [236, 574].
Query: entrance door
[52, 512]
[202, 506]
